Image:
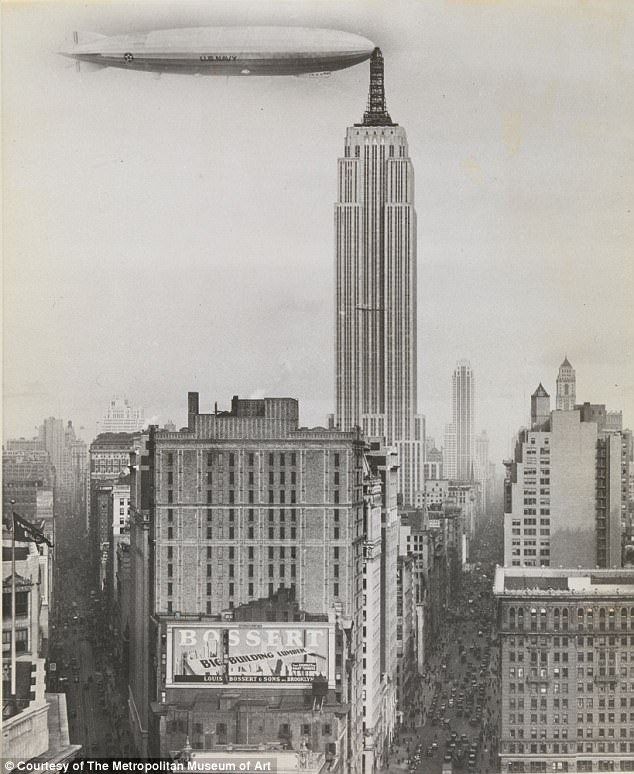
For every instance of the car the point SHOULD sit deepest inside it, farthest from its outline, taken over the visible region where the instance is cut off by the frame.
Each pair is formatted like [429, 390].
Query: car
[429, 752]
[434, 745]
[447, 758]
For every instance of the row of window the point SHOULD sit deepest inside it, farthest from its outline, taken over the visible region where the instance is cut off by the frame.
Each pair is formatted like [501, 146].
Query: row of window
[283, 458]
[231, 592]
[537, 767]
[561, 618]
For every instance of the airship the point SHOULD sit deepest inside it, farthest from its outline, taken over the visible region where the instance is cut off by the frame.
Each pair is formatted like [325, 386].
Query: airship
[224, 50]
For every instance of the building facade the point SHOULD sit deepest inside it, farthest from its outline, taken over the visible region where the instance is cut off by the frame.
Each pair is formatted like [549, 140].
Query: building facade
[121, 417]
[463, 419]
[566, 387]
[375, 302]
[563, 491]
[567, 687]
[245, 518]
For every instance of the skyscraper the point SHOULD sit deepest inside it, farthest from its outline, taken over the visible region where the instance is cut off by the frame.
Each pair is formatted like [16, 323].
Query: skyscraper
[375, 305]
[121, 417]
[566, 387]
[463, 418]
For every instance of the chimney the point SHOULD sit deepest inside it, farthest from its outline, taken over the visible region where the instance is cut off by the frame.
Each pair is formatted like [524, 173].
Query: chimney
[192, 409]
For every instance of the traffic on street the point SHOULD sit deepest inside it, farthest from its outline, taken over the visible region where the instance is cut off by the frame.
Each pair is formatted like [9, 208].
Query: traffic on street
[454, 723]
[79, 650]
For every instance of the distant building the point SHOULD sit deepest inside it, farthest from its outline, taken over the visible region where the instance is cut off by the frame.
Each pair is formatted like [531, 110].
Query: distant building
[68, 454]
[614, 421]
[463, 419]
[450, 453]
[566, 650]
[433, 463]
[121, 417]
[109, 459]
[566, 387]
[481, 470]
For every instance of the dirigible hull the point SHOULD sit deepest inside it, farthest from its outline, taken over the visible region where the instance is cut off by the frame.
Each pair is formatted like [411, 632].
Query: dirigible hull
[225, 50]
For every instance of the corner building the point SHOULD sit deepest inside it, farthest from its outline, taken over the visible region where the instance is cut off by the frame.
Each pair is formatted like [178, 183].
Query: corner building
[246, 527]
[567, 669]
[375, 305]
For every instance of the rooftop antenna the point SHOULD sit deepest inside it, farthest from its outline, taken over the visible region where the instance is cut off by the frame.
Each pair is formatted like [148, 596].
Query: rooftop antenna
[376, 113]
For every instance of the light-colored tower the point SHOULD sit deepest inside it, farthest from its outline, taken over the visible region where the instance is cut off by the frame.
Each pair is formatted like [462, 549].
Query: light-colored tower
[566, 387]
[121, 417]
[375, 225]
[463, 418]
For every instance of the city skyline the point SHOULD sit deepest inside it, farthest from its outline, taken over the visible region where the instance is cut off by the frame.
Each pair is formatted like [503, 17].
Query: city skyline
[507, 145]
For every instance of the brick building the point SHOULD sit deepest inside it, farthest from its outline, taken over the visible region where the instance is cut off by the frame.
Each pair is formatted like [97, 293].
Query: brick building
[567, 669]
[240, 508]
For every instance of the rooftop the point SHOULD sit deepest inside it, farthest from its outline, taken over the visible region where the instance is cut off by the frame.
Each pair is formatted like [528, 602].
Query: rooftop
[533, 581]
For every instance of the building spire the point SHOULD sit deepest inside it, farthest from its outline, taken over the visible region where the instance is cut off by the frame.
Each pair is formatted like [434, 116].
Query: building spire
[376, 113]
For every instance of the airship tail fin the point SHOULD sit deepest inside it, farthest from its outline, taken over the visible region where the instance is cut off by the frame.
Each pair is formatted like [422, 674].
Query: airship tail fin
[81, 37]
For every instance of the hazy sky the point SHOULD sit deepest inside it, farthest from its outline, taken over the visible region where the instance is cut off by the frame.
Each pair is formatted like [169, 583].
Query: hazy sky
[175, 234]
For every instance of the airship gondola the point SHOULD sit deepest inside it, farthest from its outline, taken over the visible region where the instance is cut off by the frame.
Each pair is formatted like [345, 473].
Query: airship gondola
[224, 50]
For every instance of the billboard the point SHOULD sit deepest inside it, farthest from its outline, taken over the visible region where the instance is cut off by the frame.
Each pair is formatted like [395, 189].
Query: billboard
[255, 653]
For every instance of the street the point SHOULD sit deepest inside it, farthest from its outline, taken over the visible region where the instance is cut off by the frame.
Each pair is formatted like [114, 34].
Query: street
[96, 709]
[455, 719]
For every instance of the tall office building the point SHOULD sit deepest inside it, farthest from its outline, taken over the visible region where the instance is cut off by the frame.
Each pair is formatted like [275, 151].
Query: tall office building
[566, 387]
[566, 652]
[68, 453]
[375, 326]
[460, 434]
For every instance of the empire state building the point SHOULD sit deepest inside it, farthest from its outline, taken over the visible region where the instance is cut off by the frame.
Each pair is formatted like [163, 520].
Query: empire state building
[375, 225]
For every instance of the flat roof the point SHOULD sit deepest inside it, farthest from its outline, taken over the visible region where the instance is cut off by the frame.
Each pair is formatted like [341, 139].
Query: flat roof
[546, 580]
